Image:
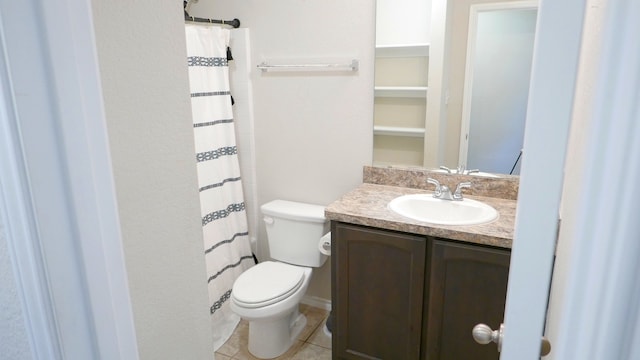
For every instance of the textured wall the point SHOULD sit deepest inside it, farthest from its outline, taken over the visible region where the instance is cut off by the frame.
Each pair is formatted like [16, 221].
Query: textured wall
[13, 332]
[142, 56]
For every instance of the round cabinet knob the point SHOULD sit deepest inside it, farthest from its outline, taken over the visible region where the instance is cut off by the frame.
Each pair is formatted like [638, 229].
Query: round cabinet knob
[483, 334]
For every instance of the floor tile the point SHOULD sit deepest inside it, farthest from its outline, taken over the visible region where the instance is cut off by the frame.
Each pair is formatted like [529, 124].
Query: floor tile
[319, 337]
[312, 343]
[312, 352]
[222, 357]
[244, 353]
[315, 317]
[232, 346]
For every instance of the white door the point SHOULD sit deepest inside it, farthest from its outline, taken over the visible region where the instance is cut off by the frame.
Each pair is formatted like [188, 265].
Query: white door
[546, 132]
[593, 311]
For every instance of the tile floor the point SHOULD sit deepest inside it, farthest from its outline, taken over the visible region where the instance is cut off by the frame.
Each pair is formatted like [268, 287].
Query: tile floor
[312, 344]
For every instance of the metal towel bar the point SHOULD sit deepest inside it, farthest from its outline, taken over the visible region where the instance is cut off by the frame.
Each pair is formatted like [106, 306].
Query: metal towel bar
[352, 66]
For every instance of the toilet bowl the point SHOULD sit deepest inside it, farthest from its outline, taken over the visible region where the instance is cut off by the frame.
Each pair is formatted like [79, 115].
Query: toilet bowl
[268, 294]
[268, 298]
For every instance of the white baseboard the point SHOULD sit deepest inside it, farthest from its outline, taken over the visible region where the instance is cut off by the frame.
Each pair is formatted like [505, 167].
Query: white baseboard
[317, 302]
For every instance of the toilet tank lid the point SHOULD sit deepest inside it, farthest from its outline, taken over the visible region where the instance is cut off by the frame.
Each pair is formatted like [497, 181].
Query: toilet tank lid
[294, 210]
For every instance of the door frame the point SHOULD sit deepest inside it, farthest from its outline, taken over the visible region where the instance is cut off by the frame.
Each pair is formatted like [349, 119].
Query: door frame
[57, 195]
[596, 315]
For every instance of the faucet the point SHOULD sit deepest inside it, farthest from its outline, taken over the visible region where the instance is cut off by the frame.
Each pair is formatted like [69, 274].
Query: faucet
[445, 169]
[443, 192]
[457, 195]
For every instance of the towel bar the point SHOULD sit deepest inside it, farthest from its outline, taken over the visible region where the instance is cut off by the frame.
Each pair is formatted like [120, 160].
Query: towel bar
[353, 66]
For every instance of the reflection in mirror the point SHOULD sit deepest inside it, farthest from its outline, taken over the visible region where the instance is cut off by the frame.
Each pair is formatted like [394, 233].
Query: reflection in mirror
[402, 55]
[413, 70]
[498, 66]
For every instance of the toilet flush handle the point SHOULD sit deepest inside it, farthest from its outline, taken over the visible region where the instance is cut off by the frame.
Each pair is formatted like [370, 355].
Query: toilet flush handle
[268, 220]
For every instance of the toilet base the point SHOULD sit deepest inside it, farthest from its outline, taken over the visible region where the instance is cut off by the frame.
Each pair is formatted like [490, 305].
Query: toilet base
[273, 337]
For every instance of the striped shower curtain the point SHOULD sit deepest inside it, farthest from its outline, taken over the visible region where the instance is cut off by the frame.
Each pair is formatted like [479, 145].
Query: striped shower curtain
[227, 248]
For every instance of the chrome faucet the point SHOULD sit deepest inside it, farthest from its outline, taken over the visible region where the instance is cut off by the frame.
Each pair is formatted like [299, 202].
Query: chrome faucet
[443, 192]
[457, 195]
[445, 169]
[437, 193]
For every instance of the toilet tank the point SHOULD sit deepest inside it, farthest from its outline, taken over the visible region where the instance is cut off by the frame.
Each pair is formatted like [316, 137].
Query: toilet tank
[294, 230]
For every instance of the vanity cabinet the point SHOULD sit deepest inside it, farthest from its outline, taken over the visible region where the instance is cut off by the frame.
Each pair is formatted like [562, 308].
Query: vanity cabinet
[467, 286]
[377, 289]
[406, 296]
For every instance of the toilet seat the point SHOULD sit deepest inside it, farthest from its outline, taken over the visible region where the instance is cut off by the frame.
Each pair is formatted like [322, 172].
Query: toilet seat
[267, 283]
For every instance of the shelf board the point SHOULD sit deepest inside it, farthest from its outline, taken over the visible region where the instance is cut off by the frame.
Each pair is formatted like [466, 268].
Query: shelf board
[401, 91]
[404, 50]
[398, 131]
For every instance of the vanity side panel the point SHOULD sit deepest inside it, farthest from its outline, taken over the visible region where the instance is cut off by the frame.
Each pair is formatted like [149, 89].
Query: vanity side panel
[378, 284]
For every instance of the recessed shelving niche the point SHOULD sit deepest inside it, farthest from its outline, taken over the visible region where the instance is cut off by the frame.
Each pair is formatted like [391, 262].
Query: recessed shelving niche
[400, 104]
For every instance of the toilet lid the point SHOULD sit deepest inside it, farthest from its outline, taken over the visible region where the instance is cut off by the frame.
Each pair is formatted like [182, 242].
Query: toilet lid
[267, 283]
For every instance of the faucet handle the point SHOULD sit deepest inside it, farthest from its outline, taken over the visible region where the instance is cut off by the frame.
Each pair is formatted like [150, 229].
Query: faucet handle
[438, 191]
[472, 171]
[445, 169]
[457, 195]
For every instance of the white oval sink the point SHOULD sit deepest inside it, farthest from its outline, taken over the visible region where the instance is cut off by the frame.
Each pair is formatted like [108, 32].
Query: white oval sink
[424, 207]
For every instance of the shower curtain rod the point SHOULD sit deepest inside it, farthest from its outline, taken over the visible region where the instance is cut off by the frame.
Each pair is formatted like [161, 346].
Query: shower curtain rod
[235, 22]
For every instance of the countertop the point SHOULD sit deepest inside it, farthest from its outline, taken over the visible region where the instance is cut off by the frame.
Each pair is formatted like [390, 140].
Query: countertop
[367, 205]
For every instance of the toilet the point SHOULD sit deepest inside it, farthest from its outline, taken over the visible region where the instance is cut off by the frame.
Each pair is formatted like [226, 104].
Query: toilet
[267, 295]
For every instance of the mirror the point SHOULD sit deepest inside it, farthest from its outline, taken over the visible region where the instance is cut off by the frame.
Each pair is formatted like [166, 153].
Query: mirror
[478, 59]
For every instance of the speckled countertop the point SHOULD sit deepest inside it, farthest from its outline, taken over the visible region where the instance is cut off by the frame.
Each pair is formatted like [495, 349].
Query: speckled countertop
[367, 205]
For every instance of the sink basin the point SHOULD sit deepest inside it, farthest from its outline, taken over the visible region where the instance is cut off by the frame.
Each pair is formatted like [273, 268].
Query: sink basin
[424, 207]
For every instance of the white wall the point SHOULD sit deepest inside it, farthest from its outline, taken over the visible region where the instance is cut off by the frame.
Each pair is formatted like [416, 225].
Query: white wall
[13, 333]
[313, 132]
[142, 56]
[242, 90]
[592, 47]
[403, 22]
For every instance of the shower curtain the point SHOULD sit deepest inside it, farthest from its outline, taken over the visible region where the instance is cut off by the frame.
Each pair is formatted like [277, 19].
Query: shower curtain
[227, 247]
